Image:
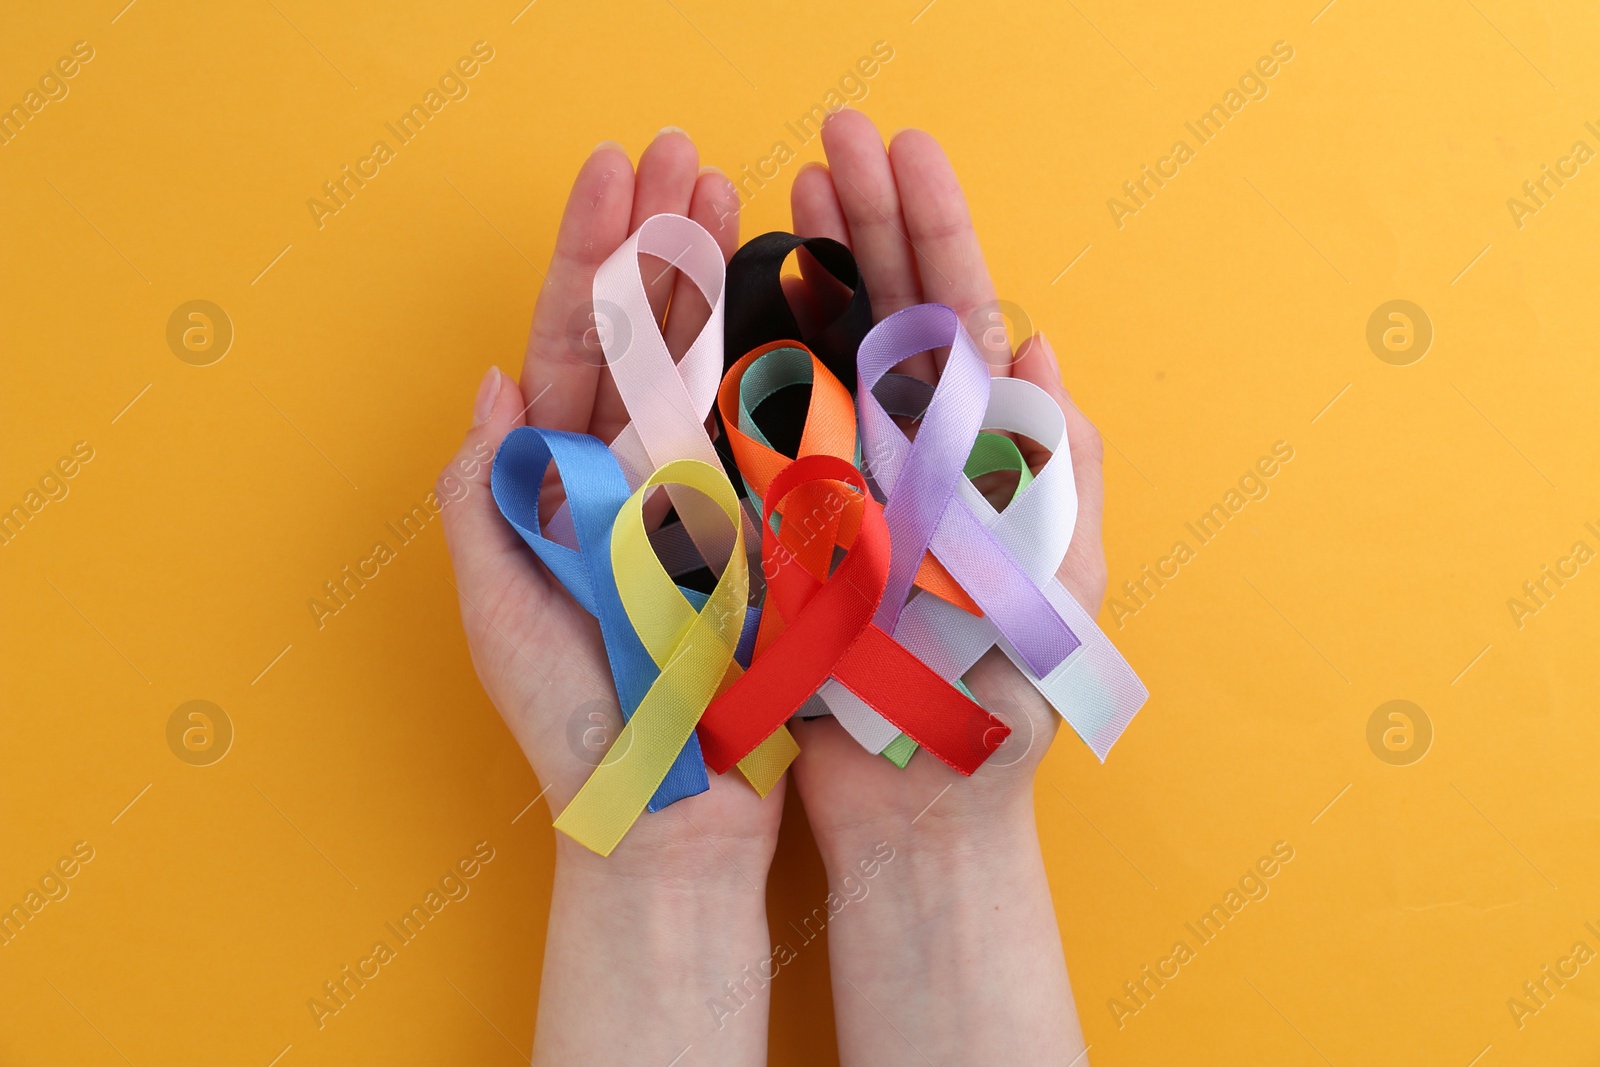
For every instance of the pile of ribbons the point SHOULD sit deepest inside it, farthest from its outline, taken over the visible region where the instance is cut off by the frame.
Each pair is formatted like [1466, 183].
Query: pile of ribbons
[854, 570]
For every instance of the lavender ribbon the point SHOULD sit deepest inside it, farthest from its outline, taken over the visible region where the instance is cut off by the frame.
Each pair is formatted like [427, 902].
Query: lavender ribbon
[919, 478]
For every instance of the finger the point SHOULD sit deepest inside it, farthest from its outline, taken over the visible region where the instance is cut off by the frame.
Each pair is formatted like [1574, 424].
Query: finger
[939, 226]
[817, 213]
[714, 204]
[1083, 571]
[664, 183]
[562, 364]
[484, 550]
[815, 205]
[865, 184]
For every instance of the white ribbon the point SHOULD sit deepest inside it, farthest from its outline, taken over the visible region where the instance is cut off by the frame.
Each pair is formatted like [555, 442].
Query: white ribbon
[1094, 689]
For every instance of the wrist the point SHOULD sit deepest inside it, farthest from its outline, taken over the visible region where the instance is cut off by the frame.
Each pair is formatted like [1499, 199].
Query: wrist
[653, 943]
[939, 877]
[683, 920]
[955, 938]
[961, 836]
[723, 873]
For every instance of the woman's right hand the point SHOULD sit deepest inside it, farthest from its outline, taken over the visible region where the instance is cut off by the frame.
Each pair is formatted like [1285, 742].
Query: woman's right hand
[538, 654]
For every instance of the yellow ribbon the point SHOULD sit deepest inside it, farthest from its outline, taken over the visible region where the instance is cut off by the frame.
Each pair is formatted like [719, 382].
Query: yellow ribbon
[694, 650]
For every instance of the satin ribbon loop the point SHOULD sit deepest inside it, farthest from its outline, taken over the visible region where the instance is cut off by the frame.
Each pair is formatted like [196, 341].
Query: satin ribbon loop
[695, 652]
[829, 428]
[992, 453]
[668, 401]
[759, 313]
[1094, 688]
[596, 493]
[920, 479]
[826, 630]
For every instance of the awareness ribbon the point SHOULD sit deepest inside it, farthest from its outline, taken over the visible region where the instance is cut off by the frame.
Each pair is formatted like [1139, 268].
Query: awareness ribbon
[828, 631]
[758, 311]
[827, 427]
[667, 402]
[991, 453]
[1094, 688]
[625, 588]
[696, 652]
[920, 478]
[695, 649]
[758, 314]
[596, 494]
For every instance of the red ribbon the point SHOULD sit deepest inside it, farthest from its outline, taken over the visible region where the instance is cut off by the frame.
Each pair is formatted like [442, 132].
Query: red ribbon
[826, 631]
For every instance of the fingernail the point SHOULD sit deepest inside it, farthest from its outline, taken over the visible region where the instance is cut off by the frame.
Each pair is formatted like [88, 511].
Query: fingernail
[663, 131]
[603, 145]
[898, 132]
[708, 169]
[488, 391]
[811, 164]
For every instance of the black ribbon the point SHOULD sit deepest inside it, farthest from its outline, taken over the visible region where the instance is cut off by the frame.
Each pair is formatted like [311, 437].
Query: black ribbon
[756, 312]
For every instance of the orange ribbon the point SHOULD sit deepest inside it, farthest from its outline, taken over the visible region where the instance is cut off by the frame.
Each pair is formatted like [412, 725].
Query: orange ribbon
[812, 528]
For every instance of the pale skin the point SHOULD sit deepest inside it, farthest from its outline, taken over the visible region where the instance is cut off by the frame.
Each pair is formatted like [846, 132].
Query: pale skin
[954, 957]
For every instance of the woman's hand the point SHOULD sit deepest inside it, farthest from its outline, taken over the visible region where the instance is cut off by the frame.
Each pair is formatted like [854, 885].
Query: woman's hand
[650, 933]
[538, 654]
[903, 214]
[956, 955]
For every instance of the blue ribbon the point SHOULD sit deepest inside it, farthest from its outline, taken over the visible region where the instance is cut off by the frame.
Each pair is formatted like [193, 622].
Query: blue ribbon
[596, 491]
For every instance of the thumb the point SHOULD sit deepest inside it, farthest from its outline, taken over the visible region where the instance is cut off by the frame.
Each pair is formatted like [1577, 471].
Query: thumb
[485, 551]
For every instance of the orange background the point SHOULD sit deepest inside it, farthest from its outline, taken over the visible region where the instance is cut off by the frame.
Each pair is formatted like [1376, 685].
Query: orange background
[1229, 313]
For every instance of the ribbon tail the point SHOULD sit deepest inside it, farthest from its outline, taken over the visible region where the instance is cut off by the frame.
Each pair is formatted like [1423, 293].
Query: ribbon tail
[685, 778]
[947, 724]
[765, 764]
[618, 790]
[1094, 688]
[763, 767]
